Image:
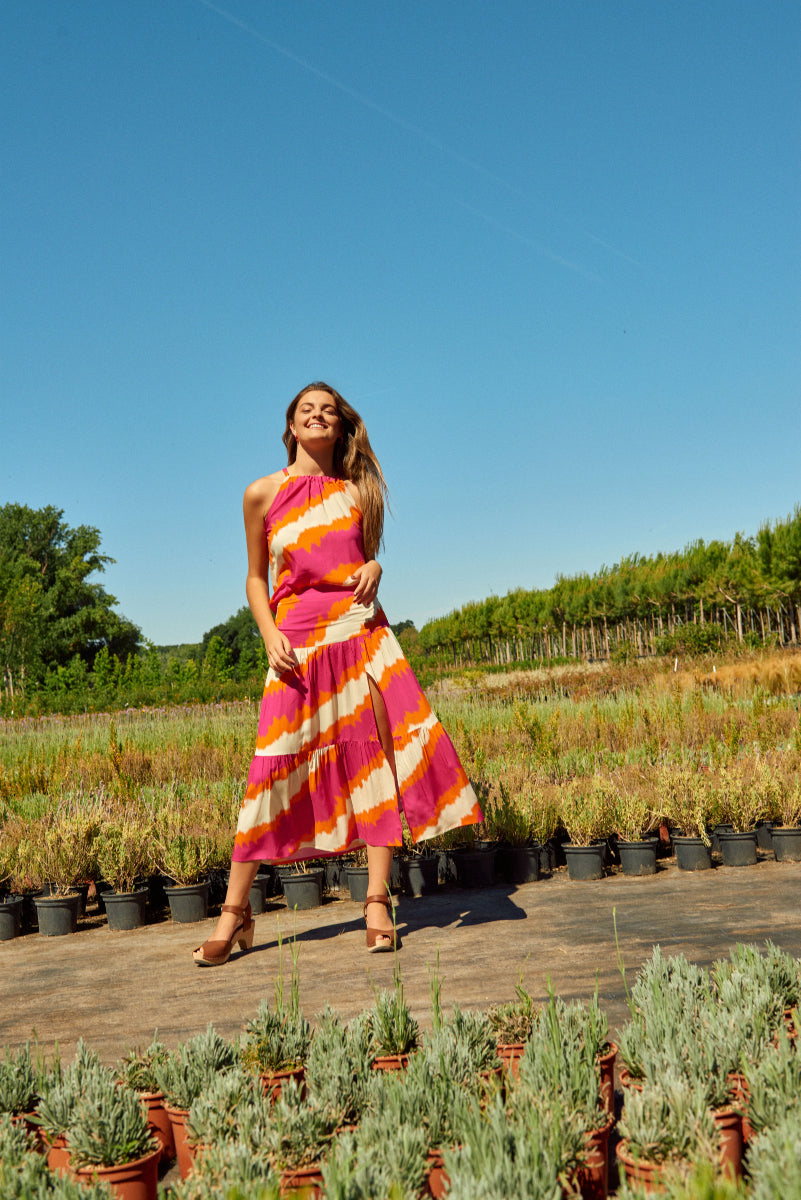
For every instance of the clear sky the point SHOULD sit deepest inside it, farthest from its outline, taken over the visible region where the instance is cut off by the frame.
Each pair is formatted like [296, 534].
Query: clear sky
[550, 251]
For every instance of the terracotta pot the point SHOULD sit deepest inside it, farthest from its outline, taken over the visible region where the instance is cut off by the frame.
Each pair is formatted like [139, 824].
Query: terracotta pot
[136, 1180]
[391, 1062]
[184, 1151]
[639, 1171]
[740, 1095]
[437, 1181]
[593, 1177]
[58, 1156]
[159, 1121]
[510, 1054]
[606, 1063]
[627, 1080]
[730, 1130]
[303, 1181]
[273, 1081]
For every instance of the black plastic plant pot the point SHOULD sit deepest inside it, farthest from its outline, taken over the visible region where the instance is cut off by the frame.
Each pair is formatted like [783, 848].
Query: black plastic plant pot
[10, 918]
[787, 843]
[638, 858]
[258, 894]
[547, 859]
[57, 915]
[475, 868]
[335, 872]
[189, 902]
[714, 837]
[49, 889]
[419, 876]
[764, 832]
[692, 854]
[584, 862]
[304, 890]
[522, 864]
[738, 849]
[126, 910]
[358, 879]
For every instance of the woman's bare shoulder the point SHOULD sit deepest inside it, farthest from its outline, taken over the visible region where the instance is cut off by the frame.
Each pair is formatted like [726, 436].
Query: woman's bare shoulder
[260, 494]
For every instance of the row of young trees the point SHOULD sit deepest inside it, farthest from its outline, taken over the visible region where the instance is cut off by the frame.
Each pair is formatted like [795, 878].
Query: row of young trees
[748, 590]
[62, 645]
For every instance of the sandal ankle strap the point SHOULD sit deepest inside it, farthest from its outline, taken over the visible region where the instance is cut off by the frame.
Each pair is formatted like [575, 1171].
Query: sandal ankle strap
[385, 900]
[238, 909]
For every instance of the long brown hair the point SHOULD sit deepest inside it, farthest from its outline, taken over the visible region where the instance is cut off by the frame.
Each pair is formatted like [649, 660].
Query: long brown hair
[354, 459]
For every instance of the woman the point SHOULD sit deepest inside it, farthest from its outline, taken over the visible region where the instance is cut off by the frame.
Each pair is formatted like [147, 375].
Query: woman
[344, 730]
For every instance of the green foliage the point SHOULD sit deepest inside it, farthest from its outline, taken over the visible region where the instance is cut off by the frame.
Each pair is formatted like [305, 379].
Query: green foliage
[138, 1068]
[231, 1108]
[229, 1171]
[109, 1125]
[669, 1120]
[393, 1029]
[184, 1074]
[774, 1161]
[514, 1021]
[298, 1132]
[51, 616]
[275, 1039]
[338, 1067]
[20, 1081]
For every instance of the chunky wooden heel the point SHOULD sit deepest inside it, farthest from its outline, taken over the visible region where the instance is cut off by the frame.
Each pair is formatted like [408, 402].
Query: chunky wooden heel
[217, 953]
[389, 937]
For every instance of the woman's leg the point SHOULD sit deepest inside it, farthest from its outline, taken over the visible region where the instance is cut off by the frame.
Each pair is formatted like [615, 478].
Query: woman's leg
[379, 858]
[239, 884]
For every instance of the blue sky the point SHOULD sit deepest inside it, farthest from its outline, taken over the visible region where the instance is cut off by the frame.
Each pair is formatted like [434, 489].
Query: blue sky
[549, 251]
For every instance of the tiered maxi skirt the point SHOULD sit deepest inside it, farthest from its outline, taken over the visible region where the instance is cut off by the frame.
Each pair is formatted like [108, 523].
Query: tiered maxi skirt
[319, 782]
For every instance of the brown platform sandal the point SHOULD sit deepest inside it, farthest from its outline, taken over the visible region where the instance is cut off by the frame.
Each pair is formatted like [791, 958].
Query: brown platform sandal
[214, 954]
[390, 941]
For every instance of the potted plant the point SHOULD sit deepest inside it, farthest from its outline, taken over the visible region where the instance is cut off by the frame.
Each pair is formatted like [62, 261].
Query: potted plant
[275, 1046]
[182, 850]
[183, 1075]
[60, 1093]
[528, 1151]
[109, 1138]
[358, 876]
[138, 1071]
[513, 1024]
[586, 813]
[20, 1084]
[394, 1032]
[229, 1169]
[303, 888]
[742, 804]
[633, 816]
[10, 901]
[684, 797]
[232, 1107]
[123, 855]
[60, 857]
[337, 1068]
[419, 872]
[509, 819]
[666, 1123]
[786, 833]
[297, 1137]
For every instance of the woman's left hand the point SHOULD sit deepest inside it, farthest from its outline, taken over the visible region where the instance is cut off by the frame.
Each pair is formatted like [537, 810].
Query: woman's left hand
[365, 582]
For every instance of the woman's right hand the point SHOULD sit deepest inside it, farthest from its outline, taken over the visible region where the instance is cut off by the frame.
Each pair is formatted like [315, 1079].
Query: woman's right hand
[280, 654]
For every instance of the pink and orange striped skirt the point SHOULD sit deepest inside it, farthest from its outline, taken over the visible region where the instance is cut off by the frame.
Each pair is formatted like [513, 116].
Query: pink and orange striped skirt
[319, 782]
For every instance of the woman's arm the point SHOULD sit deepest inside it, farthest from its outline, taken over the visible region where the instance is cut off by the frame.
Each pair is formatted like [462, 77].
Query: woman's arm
[258, 498]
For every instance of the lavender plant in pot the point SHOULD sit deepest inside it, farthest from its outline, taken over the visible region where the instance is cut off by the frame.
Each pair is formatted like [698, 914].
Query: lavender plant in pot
[742, 804]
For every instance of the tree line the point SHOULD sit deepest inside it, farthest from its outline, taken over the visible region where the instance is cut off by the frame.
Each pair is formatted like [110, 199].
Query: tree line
[747, 590]
[63, 647]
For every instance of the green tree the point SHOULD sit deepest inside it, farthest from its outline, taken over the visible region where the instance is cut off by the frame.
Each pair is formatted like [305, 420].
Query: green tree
[50, 612]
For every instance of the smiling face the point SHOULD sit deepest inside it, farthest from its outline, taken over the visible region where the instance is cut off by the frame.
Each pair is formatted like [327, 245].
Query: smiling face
[315, 420]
